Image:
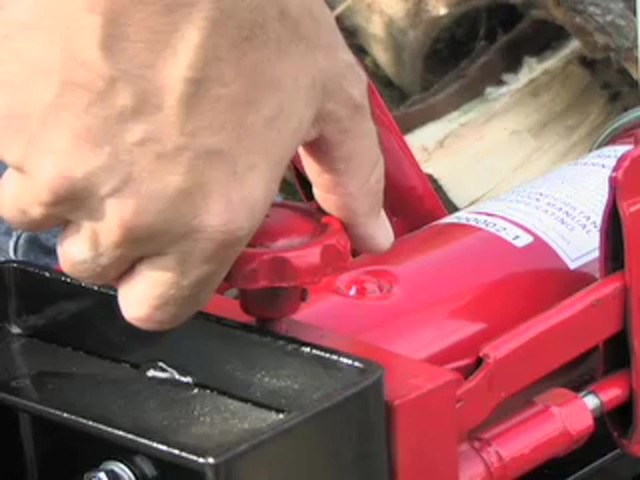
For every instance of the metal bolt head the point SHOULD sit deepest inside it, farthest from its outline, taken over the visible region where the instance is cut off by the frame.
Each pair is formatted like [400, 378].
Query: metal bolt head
[110, 470]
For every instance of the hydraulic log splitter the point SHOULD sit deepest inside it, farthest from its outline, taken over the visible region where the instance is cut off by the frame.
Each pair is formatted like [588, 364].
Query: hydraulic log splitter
[496, 342]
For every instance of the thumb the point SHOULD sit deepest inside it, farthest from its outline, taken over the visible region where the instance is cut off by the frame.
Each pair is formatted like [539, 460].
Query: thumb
[346, 169]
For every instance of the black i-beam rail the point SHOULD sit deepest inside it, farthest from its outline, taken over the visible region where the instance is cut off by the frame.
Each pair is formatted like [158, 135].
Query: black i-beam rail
[86, 396]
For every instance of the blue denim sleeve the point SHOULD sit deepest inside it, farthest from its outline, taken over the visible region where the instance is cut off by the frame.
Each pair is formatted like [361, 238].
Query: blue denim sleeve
[36, 248]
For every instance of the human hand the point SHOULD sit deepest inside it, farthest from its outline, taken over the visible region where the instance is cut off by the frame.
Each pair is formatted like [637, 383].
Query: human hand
[156, 133]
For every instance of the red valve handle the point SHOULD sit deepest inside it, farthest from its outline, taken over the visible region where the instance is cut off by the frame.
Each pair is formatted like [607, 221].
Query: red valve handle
[297, 245]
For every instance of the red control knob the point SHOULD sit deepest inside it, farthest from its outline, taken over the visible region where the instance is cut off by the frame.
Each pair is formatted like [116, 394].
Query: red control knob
[296, 246]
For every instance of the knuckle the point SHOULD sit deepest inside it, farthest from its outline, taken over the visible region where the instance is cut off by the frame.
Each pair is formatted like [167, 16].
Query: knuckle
[20, 207]
[90, 256]
[75, 256]
[123, 229]
[24, 217]
[146, 314]
[54, 190]
[80, 255]
[140, 315]
[73, 266]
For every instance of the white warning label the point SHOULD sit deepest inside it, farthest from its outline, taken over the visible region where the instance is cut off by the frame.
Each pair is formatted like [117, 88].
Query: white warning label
[563, 208]
[508, 231]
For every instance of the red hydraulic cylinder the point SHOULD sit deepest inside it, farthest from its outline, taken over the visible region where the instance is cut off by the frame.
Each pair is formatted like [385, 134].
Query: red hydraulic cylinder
[558, 422]
[443, 291]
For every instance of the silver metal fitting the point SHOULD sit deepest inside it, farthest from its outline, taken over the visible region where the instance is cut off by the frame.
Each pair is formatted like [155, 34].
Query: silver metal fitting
[110, 470]
[593, 403]
[617, 126]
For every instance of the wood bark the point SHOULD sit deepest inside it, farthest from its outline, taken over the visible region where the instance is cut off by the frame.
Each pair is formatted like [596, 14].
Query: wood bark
[398, 34]
[604, 27]
[531, 37]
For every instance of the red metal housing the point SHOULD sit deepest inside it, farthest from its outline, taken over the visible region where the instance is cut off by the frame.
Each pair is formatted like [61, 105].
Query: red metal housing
[481, 328]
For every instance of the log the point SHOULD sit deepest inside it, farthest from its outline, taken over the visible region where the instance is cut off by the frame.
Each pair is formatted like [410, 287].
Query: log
[401, 35]
[475, 130]
[546, 114]
[531, 37]
[604, 27]
[398, 34]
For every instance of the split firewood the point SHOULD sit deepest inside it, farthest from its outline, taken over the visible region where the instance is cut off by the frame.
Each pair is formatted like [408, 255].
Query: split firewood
[545, 115]
[469, 81]
[401, 35]
[517, 104]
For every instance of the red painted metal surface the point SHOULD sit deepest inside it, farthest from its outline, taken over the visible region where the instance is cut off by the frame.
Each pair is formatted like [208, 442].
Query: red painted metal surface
[411, 201]
[421, 399]
[625, 183]
[613, 391]
[295, 246]
[468, 325]
[421, 300]
[514, 361]
[558, 422]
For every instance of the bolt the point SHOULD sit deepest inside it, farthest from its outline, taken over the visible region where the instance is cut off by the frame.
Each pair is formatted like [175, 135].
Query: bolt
[110, 470]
